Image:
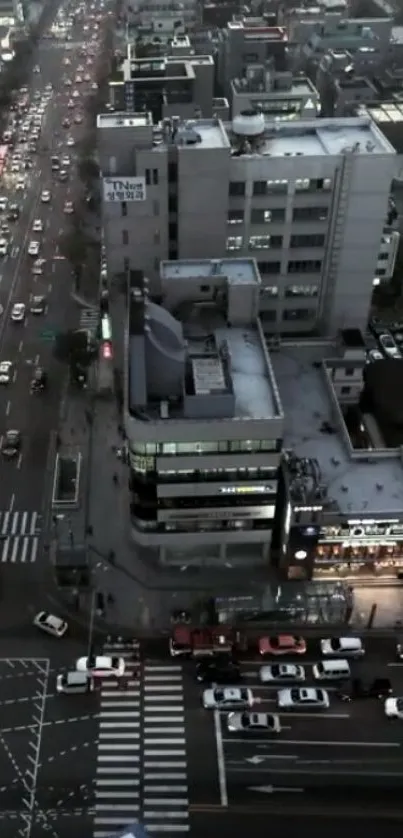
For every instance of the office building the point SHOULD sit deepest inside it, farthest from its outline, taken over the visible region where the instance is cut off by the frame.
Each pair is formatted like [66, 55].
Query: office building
[160, 19]
[202, 416]
[307, 199]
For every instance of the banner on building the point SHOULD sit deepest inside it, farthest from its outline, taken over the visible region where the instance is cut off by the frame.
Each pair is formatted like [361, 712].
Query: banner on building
[128, 189]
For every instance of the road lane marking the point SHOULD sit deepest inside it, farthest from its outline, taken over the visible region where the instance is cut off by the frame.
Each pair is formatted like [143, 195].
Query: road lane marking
[19, 461]
[20, 345]
[12, 502]
[8, 408]
[222, 777]
[332, 744]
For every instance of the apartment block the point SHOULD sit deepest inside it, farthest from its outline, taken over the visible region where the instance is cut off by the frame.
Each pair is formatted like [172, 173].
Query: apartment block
[202, 416]
[307, 199]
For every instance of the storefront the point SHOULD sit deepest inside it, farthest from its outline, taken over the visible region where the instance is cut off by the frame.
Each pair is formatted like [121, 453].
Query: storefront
[360, 548]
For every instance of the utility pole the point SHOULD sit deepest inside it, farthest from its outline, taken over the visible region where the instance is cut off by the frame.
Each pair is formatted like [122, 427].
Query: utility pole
[91, 623]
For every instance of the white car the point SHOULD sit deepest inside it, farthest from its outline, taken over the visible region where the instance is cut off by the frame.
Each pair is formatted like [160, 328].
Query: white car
[33, 248]
[78, 119]
[37, 226]
[341, 647]
[20, 184]
[65, 162]
[87, 77]
[18, 312]
[38, 267]
[78, 79]
[253, 723]
[219, 698]
[71, 142]
[50, 624]
[6, 369]
[102, 666]
[45, 196]
[302, 698]
[375, 355]
[282, 672]
[70, 104]
[94, 86]
[388, 345]
[15, 167]
[3, 204]
[3, 247]
[76, 94]
[68, 208]
[394, 708]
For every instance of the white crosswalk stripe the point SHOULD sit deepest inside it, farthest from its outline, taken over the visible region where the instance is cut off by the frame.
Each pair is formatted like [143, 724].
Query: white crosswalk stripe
[19, 536]
[89, 320]
[141, 770]
[118, 772]
[165, 788]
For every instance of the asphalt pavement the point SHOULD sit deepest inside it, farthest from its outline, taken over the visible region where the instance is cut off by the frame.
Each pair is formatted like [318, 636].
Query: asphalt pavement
[349, 748]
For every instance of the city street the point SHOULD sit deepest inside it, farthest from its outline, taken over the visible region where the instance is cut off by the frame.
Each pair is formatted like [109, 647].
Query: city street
[350, 745]
[30, 343]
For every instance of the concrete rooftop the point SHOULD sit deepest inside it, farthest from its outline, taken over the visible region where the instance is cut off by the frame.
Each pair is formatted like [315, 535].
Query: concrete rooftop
[306, 406]
[238, 271]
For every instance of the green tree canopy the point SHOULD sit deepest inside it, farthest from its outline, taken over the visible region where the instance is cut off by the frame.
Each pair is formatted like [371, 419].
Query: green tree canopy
[73, 246]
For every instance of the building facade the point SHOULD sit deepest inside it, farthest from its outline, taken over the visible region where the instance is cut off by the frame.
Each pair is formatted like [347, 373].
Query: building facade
[307, 199]
[203, 418]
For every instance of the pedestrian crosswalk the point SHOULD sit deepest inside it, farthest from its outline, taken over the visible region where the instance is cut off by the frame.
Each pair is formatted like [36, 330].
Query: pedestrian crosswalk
[165, 804]
[89, 320]
[141, 772]
[117, 780]
[19, 536]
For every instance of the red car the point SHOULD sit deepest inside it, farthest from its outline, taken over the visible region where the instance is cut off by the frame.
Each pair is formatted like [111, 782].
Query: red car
[282, 644]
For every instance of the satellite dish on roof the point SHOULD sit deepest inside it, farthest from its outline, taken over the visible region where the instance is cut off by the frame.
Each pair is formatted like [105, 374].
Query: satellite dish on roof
[248, 124]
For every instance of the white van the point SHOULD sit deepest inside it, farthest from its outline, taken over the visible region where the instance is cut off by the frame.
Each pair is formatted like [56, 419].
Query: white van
[333, 670]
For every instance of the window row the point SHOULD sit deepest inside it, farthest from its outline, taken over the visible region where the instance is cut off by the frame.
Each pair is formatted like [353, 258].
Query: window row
[291, 291]
[280, 186]
[270, 216]
[275, 242]
[168, 449]
[294, 266]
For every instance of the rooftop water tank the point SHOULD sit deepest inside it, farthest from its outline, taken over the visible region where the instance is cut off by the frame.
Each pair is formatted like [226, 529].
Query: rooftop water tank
[248, 124]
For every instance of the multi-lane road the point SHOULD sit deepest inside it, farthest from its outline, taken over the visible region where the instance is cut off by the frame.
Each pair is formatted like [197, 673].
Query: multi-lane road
[29, 344]
[352, 743]
[150, 752]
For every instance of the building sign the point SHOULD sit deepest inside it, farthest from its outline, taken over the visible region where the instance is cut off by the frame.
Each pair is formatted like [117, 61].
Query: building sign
[124, 190]
[362, 533]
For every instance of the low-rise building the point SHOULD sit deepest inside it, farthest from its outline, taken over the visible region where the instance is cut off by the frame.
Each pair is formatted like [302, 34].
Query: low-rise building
[247, 41]
[203, 418]
[343, 466]
[169, 86]
[279, 96]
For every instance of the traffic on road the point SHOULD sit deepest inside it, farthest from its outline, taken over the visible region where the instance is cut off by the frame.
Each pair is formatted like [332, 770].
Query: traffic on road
[39, 192]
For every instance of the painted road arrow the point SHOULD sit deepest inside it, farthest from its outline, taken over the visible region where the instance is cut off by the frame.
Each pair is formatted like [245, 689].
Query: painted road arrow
[274, 789]
[255, 760]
